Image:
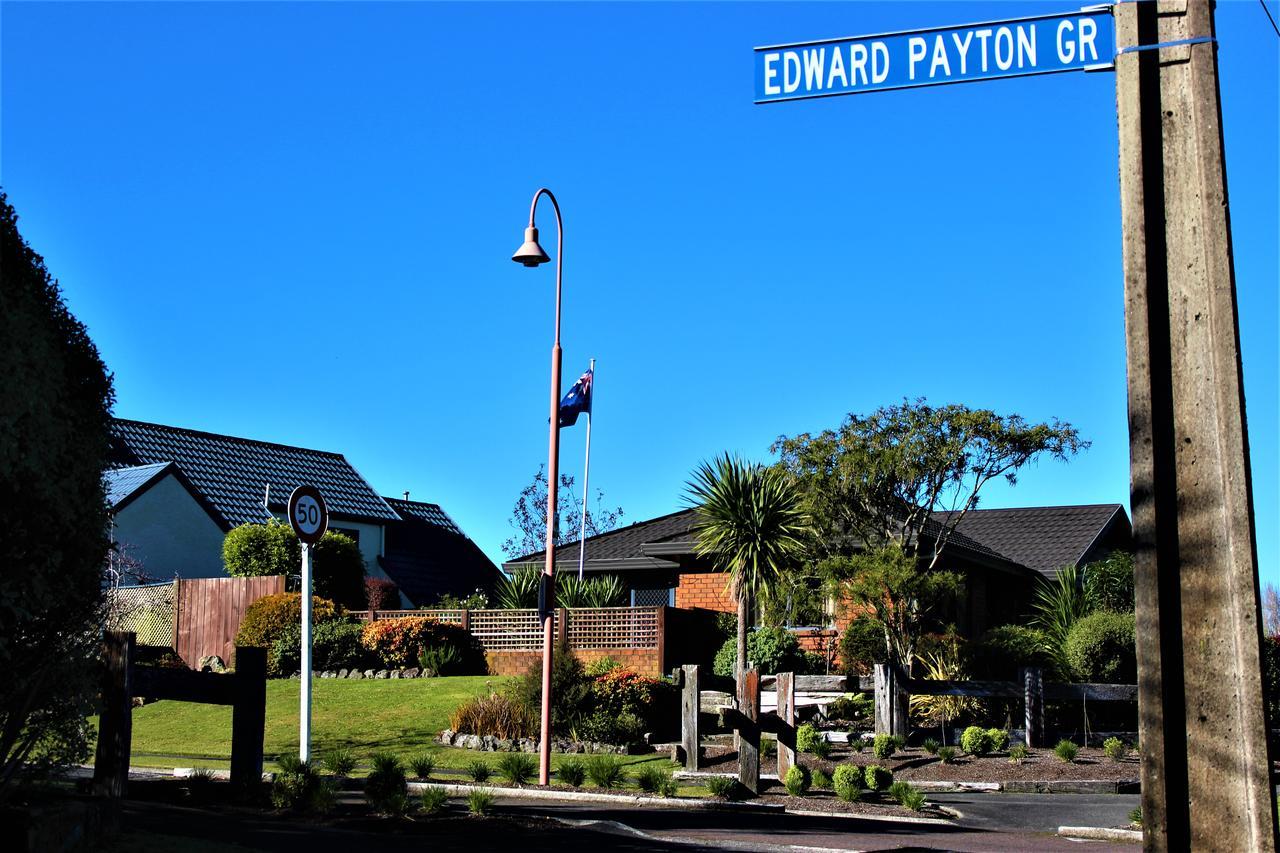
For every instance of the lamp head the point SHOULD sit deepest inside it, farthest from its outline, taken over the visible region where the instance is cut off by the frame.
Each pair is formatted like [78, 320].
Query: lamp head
[530, 254]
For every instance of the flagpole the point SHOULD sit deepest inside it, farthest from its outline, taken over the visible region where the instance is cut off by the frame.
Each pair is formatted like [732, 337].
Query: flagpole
[586, 476]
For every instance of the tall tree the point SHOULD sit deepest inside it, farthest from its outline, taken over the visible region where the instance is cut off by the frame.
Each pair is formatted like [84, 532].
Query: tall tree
[887, 490]
[751, 523]
[55, 410]
[880, 478]
[529, 516]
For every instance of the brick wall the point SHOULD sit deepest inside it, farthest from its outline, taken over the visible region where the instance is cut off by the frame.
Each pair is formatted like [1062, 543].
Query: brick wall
[708, 590]
[643, 661]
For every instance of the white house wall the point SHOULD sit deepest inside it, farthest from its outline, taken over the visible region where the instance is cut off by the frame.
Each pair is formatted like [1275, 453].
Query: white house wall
[166, 530]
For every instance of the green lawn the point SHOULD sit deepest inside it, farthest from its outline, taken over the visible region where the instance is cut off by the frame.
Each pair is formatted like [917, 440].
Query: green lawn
[399, 716]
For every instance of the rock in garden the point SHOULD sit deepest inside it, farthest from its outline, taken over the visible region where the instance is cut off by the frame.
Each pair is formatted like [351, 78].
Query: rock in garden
[395, 673]
[446, 737]
[502, 744]
[342, 673]
[411, 672]
[382, 673]
[368, 673]
[211, 663]
[355, 673]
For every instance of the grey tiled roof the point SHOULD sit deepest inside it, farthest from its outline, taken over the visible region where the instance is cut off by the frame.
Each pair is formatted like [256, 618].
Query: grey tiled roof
[231, 474]
[625, 542]
[123, 482]
[1044, 538]
[430, 513]
[428, 555]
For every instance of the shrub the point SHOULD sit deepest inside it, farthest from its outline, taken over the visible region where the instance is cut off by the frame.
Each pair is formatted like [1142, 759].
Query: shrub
[1135, 817]
[931, 745]
[862, 646]
[334, 644]
[385, 788]
[398, 642]
[856, 741]
[947, 754]
[997, 740]
[268, 617]
[975, 740]
[434, 799]
[518, 590]
[807, 737]
[339, 762]
[600, 666]
[848, 782]
[899, 742]
[1100, 647]
[440, 660]
[422, 765]
[899, 789]
[604, 727]
[822, 749]
[770, 649]
[54, 438]
[723, 787]
[478, 600]
[480, 801]
[517, 767]
[254, 550]
[1115, 748]
[1108, 584]
[877, 778]
[656, 780]
[572, 772]
[913, 800]
[882, 746]
[797, 780]
[497, 714]
[822, 779]
[768, 747]
[479, 771]
[570, 690]
[595, 591]
[1003, 650]
[851, 706]
[1018, 753]
[381, 594]
[297, 787]
[1066, 751]
[337, 570]
[621, 692]
[606, 771]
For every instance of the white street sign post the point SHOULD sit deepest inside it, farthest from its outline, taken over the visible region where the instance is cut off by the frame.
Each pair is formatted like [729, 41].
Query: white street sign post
[309, 519]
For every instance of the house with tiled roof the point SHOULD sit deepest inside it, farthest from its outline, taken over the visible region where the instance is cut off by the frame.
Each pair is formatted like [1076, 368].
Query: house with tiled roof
[1002, 554]
[175, 492]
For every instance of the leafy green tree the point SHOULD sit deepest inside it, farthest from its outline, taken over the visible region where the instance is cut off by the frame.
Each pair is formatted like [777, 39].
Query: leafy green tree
[879, 478]
[750, 521]
[529, 516]
[54, 435]
[337, 566]
[1108, 583]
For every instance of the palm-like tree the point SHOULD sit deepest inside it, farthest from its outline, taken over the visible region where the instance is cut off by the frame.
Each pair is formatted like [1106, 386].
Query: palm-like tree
[751, 522]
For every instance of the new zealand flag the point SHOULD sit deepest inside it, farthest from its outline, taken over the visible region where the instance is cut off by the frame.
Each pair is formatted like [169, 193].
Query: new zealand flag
[577, 401]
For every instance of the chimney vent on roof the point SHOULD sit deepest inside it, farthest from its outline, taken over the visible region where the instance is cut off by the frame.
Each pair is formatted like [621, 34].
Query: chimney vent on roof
[406, 494]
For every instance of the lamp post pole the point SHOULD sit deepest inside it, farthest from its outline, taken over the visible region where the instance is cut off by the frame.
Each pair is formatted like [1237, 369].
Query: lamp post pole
[531, 255]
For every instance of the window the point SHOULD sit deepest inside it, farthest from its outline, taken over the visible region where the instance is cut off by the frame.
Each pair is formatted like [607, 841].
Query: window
[653, 597]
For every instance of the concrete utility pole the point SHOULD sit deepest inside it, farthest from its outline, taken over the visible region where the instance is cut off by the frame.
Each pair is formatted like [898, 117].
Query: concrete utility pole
[1206, 770]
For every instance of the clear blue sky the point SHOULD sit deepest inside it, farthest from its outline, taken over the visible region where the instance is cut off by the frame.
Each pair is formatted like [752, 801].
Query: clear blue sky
[293, 222]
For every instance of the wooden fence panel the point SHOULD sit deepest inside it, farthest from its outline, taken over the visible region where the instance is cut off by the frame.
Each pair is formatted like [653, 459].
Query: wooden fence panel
[210, 611]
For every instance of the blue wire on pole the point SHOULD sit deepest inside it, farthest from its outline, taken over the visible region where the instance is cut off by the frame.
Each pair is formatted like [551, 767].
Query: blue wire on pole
[1136, 47]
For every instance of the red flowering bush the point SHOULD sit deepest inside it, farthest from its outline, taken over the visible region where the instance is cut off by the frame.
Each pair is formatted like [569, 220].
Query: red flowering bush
[400, 643]
[381, 594]
[625, 705]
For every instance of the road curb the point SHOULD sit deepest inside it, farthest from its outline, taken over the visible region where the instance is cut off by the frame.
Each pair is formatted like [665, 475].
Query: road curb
[615, 799]
[1098, 833]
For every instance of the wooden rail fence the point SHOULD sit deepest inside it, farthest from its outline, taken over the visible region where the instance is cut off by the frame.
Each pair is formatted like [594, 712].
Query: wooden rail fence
[245, 691]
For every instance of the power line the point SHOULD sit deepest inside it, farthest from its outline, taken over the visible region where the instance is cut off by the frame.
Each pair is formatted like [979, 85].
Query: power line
[1269, 18]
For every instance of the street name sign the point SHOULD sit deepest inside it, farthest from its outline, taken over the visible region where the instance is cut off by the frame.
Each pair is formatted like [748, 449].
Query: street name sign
[1043, 44]
[308, 514]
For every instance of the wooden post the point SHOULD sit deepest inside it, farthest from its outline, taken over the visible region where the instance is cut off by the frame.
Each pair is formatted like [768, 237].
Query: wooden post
[662, 637]
[562, 616]
[466, 620]
[892, 700]
[749, 731]
[177, 620]
[689, 710]
[785, 686]
[248, 715]
[1195, 573]
[1032, 678]
[115, 726]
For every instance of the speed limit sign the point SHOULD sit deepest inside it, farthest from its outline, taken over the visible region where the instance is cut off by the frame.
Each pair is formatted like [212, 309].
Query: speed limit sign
[307, 514]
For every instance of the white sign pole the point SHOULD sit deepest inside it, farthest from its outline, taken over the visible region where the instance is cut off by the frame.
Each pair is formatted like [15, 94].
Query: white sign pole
[304, 716]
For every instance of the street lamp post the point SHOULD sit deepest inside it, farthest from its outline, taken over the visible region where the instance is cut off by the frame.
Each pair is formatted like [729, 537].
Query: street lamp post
[531, 254]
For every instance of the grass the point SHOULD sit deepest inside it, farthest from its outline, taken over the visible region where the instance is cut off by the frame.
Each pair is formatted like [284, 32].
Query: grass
[401, 717]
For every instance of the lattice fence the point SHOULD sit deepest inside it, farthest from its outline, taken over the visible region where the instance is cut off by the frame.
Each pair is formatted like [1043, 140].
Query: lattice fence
[521, 630]
[147, 611]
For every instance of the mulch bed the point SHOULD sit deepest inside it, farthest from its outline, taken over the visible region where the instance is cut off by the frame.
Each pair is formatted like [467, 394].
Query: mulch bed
[916, 764]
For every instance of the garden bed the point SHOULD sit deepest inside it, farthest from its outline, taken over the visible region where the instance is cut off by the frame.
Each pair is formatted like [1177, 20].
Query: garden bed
[916, 765]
